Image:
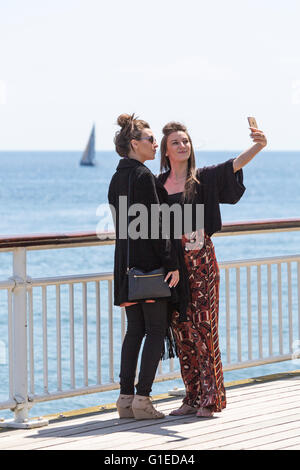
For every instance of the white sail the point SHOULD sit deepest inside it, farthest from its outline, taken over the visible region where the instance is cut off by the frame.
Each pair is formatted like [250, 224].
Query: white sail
[88, 157]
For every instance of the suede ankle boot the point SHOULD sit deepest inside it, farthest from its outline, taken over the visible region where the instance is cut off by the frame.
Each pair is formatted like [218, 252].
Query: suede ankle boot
[142, 408]
[124, 408]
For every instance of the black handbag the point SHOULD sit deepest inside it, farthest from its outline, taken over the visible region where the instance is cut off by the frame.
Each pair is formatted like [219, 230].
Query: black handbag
[141, 284]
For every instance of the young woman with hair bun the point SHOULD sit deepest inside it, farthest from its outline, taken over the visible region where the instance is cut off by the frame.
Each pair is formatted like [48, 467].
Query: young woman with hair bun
[136, 144]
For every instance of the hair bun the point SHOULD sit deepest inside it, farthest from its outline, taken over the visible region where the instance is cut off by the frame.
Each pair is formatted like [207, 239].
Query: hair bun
[131, 128]
[125, 119]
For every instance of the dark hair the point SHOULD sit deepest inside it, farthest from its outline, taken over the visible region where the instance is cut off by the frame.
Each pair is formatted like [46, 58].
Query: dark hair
[191, 180]
[131, 128]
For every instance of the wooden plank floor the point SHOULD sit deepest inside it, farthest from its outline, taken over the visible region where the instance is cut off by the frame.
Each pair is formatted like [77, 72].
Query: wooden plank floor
[261, 415]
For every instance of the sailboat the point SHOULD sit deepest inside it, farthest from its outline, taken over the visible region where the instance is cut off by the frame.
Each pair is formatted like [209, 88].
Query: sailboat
[88, 157]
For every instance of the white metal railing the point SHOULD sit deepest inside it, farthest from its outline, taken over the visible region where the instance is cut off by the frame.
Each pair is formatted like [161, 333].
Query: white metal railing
[81, 332]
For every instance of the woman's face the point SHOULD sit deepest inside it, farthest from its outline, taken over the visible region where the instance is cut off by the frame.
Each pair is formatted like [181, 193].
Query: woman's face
[146, 146]
[178, 147]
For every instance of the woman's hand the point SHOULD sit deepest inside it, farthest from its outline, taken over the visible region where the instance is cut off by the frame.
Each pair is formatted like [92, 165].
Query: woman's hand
[258, 137]
[245, 157]
[174, 278]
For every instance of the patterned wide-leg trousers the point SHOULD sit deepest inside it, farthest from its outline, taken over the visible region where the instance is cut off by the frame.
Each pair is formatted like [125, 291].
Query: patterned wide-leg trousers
[197, 339]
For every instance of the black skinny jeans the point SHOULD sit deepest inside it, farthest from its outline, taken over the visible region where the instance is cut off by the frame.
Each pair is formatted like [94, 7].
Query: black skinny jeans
[150, 319]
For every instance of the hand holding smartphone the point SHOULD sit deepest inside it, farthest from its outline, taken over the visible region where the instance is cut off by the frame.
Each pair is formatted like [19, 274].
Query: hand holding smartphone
[256, 134]
[252, 122]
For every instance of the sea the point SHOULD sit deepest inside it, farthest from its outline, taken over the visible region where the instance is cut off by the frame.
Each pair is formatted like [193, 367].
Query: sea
[49, 192]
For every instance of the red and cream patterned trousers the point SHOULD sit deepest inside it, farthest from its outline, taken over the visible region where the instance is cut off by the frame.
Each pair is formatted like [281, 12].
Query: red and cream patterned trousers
[197, 339]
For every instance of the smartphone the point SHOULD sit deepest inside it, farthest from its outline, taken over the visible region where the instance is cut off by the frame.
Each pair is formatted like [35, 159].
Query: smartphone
[252, 122]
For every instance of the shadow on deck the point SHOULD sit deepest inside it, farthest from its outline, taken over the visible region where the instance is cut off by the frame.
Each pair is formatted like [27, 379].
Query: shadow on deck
[261, 413]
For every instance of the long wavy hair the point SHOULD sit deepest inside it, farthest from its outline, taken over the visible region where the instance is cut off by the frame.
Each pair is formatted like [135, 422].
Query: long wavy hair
[191, 180]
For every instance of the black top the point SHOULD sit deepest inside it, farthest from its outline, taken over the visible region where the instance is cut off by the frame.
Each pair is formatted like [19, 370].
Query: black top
[218, 184]
[146, 254]
[175, 198]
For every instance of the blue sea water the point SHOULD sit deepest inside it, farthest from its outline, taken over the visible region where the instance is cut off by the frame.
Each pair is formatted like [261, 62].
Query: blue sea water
[44, 192]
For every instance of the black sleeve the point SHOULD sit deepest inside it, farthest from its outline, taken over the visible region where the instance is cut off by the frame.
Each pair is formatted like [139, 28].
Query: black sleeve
[144, 192]
[228, 185]
[112, 201]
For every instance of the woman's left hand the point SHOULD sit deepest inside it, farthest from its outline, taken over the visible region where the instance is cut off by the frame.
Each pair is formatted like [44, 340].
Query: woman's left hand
[174, 278]
[258, 137]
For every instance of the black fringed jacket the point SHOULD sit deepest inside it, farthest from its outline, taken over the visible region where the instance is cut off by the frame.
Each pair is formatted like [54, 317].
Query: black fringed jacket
[218, 185]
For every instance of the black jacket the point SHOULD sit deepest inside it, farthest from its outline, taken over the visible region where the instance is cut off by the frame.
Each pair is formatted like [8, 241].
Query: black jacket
[146, 254]
[218, 184]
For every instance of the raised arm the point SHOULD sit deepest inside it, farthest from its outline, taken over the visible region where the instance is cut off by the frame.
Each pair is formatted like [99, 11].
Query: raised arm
[260, 142]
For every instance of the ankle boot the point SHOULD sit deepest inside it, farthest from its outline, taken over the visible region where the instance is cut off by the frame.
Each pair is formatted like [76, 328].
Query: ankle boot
[142, 408]
[124, 403]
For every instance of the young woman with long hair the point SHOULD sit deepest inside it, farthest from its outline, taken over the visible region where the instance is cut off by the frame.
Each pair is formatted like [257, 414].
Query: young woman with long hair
[197, 337]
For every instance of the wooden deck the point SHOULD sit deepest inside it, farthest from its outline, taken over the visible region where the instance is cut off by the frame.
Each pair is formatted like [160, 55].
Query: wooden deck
[263, 414]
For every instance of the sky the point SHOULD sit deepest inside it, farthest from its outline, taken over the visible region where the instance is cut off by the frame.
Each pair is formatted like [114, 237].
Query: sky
[66, 64]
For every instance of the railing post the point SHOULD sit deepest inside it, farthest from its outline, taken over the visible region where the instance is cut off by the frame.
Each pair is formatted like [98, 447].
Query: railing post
[20, 385]
[19, 347]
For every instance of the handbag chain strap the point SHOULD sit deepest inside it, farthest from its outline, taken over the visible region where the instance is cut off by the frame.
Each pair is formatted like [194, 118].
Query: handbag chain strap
[128, 204]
